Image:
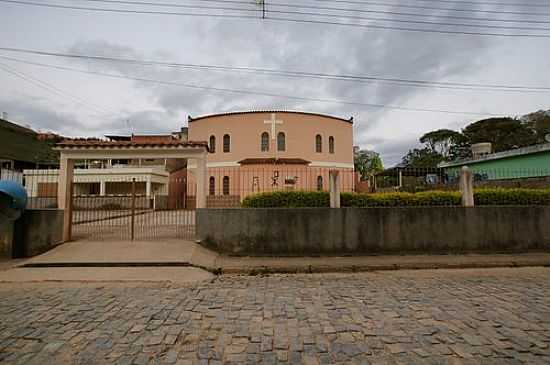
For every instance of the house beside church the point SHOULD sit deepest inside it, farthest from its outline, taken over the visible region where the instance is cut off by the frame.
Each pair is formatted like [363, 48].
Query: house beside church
[263, 151]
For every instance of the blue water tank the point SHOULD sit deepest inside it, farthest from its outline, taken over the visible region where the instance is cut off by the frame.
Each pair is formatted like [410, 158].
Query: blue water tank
[13, 199]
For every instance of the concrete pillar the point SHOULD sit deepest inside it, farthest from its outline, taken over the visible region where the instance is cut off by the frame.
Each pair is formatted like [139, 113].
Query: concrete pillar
[65, 194]
[201, 182]
[148, 186]
[400, 179]
[334, 188]
[66, 174]
[102, 188]
[466, 184]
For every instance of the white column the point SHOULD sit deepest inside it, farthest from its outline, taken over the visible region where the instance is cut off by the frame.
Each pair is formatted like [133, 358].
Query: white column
[466, 184]
[102, 188]
[334, 187]
[201, 181]
[148, 186]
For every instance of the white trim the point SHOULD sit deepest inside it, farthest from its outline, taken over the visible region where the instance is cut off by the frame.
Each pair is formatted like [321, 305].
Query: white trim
[342, 165]
[193, 164]
[223, 164]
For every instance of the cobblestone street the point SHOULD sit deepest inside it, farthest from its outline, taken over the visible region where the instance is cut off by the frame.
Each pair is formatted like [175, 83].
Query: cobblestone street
[495, 316]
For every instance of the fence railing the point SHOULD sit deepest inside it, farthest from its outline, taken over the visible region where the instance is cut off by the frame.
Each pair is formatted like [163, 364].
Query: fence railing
[229, 186]
[423, 179]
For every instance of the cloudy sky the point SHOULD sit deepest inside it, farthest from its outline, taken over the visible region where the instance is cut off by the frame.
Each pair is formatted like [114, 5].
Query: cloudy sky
[93, 104]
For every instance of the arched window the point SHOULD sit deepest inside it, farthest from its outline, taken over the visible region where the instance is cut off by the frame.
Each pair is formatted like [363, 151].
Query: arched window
[319, 183]
[226, 185]
[318, 143]
[281, 141]
[331, 144]
[212, 144]
[265, 142]
[212, 185]
[226, 143]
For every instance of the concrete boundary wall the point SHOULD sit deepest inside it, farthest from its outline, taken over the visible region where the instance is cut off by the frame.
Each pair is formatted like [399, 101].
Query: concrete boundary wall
[37, 231]
[314, 231]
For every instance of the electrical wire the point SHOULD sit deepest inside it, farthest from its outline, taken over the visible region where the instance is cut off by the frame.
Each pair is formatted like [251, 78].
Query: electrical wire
[279, 19]
[49, 87]
[275, 72]
[255, 92]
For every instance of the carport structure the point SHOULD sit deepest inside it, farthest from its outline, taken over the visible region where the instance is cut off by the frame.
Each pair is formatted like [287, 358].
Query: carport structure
[74, 150]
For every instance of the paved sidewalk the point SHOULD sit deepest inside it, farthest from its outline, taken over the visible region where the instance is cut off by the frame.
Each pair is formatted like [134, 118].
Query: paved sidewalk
[83, 251]
[177, 275]
[181, 253]
[482, 316]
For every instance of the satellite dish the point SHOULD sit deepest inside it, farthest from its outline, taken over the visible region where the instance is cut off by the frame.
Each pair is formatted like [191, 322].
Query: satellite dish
[547, 138]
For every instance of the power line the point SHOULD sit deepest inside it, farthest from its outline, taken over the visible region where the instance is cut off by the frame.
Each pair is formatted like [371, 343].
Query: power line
[128, 11]
[407, 29]
[423, 22]
[276, 72]
[49, 87]
[423, 7]
[297, 6]
[487, 3]
[254, 92]
[175, 5]
[318, 14]
[387, 12]
[307, 21]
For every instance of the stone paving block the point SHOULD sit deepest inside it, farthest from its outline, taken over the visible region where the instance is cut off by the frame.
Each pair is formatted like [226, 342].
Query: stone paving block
[445, 318]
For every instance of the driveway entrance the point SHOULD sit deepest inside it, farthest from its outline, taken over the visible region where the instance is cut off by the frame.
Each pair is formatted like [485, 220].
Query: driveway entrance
[132, 201]
[133, 216]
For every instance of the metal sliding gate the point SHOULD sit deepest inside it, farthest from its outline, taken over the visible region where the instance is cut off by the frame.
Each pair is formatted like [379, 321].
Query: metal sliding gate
[127, 212]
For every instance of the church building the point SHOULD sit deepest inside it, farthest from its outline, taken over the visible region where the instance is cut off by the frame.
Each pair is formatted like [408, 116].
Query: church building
[262, 151]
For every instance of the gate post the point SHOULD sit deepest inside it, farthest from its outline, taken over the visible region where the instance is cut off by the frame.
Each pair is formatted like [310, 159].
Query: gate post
[201, 182]
[466, 183]
[133, 216]
[65, 194]
[334, 186]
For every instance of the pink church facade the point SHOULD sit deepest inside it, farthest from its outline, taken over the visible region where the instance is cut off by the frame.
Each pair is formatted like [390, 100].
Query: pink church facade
[253, 152]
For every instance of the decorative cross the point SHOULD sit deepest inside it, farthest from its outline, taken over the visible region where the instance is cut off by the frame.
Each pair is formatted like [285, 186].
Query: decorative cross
[273, 123]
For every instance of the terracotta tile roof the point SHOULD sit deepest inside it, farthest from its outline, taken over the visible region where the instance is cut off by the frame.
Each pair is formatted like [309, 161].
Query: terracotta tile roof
[273, 161]
[96, 143]
[191, 119]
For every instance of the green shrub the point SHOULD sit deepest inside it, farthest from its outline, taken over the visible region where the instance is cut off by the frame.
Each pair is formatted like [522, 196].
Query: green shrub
[302, 199]
[400, 199]
[288, 199]
[500, 196]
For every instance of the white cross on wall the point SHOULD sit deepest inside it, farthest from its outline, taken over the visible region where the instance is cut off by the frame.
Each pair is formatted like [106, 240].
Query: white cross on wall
[273, 123]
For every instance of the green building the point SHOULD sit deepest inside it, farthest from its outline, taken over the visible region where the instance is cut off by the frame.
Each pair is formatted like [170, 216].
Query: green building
[525, 162]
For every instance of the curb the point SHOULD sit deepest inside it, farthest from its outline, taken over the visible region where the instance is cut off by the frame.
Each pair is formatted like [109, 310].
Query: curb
[311, 269]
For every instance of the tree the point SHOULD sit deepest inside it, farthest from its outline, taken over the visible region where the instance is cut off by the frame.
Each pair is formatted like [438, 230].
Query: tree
[422, 158]
[539, 123]
[443, 141]
[367, 163]
[503, 133]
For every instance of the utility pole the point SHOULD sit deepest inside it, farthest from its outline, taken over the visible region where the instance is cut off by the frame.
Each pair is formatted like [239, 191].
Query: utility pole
[263, 7]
